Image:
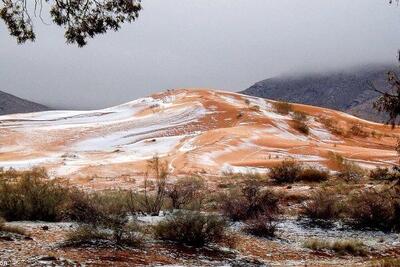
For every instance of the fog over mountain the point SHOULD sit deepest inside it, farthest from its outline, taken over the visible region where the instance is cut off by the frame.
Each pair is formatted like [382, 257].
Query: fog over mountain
[219, 44]
[348, 90]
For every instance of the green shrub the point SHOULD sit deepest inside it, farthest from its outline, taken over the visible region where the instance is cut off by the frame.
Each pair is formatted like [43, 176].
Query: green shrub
[191, 228]
[287, 171]
[283, 108]
[30, 195]
[341, 247]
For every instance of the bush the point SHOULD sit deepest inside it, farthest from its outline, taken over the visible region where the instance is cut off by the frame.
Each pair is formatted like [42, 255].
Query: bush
[283, 108]
[357, 130]
[323, 206]
[85, 235]
[331, 125]
[313, 175]
[350, 172]
[385, 174]
[187, 192]
[261, 226]
[287, 171]
[191, 228]
[152, 201]
[341, 247]
[30, 195]
[300, 122]
[374, 210]
[249, 202]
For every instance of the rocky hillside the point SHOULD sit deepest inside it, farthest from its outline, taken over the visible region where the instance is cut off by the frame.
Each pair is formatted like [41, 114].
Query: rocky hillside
[196, 131]
[10, 104]
[347, 91]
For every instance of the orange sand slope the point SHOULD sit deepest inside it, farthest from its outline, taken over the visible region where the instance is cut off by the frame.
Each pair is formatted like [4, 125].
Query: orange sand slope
[196, 130]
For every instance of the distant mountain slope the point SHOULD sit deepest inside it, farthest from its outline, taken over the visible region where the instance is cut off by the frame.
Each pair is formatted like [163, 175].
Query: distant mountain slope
[346, 91]
[10, 104]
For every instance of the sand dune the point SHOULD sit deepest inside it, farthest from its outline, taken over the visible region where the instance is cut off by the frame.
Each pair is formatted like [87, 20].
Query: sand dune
[195, 130]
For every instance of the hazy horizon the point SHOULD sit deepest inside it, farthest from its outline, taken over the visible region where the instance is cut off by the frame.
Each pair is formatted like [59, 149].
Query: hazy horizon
[219, 44]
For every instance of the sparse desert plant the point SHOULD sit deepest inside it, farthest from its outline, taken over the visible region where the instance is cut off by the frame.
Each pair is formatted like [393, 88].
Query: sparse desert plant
[385, 174]
[347, 171]
[85, 235]
[262, 226]
[331, 125]
[300, 122]
[373, 209]
[313, 175]
[358, 130]
[350, 172]
[324, 205]
[152, 201]
[30, 195]
[191, 228]
[186, 192]
[283, 108]
[341, 247]
[249, 202]
[287, 171]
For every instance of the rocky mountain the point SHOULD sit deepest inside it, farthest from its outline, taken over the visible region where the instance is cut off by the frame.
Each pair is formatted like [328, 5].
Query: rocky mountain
[346, 90]
[10, 104]
[195, 131]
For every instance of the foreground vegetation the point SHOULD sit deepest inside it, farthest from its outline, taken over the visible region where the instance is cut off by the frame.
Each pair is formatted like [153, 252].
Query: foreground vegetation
[198, 215]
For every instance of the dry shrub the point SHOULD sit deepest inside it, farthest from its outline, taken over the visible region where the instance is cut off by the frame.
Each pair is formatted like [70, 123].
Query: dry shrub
[358, 130]
[287, 171]
[283, 108]
[347, 171]
[30, 195]
[191, 228]
[385, 174]
[249, 202]
[341, 247]
[262, 226]
[313, 175]
[374, 210]
[187, 192]
[350, 172]
[331, 125]
[155, 190]
[323, 206]
[300, 122]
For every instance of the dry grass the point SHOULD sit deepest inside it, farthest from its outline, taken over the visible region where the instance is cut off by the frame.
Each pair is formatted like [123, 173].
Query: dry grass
[340, 247]
[283, 108]
[11, 229]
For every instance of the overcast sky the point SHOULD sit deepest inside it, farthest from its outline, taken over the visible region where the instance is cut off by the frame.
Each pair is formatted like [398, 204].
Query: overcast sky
[222, 44]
